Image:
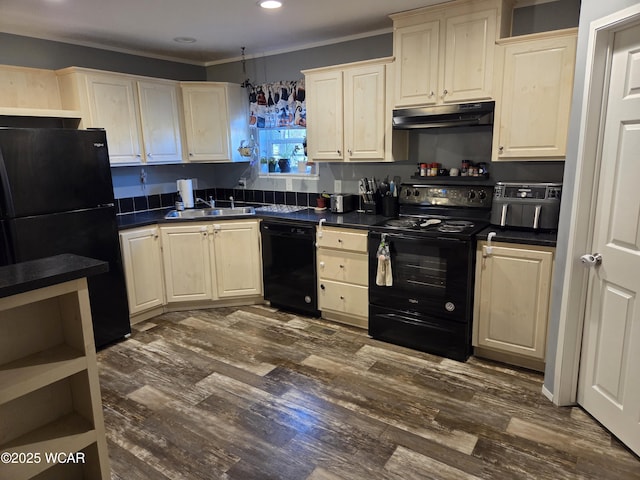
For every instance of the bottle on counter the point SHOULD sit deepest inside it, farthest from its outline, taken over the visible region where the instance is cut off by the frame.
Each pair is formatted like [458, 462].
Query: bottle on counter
[423, 169]
[179, 202]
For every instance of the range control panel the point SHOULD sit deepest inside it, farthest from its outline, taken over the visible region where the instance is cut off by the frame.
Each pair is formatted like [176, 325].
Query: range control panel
[450, 195]
[532, 191]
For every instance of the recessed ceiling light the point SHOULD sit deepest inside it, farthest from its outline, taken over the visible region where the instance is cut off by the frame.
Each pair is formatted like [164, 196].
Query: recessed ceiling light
[270, 4]
[184, 40]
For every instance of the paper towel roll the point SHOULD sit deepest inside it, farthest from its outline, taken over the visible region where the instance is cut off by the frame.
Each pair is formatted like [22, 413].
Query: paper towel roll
[185, 187]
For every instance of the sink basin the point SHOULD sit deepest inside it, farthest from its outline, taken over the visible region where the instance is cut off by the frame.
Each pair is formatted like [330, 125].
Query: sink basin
[209, 212]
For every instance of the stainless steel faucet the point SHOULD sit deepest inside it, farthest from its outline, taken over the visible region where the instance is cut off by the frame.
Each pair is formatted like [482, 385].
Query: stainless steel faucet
[211, 203]
[233, 205]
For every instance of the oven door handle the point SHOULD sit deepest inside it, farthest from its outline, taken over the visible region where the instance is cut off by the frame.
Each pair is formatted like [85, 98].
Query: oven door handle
[412, 321]
[418, 239]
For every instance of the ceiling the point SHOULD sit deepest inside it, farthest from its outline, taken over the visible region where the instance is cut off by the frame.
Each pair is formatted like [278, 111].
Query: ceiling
[221, 27]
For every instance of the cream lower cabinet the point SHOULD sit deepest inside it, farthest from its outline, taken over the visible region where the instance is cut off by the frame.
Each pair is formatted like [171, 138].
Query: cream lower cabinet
[216, 120]
[212, 261]
[142, 258]
[349, 113]
[238, 258]
[140, 114]
[511, 306]
[535, 83]
[343, 275]
[446, 53]
[186, 254]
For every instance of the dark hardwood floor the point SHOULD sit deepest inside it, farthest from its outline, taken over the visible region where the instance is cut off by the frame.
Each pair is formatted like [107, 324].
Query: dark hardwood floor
[252, 393]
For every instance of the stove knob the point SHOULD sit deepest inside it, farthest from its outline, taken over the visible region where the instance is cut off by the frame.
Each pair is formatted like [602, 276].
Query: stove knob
[482, 194]
[408, 193]
[523, 194]
[471, 195]
[417, 193]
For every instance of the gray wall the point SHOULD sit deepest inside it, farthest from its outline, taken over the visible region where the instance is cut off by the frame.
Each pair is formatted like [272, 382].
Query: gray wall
[36, 53]
[590, 11]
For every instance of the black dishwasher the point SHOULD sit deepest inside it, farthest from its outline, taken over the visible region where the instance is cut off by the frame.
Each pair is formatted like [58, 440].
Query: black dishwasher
[289, 266]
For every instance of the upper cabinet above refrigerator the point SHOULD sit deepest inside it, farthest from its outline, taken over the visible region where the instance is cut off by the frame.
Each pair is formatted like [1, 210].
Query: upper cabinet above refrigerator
[141, 115]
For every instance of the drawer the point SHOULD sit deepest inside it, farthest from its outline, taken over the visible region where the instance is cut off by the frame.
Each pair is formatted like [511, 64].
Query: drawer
[343, 298]
[343, 266]
[342, 239]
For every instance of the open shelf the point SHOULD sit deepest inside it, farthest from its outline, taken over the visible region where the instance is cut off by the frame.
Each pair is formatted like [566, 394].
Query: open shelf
[27, 374]
[71, 433]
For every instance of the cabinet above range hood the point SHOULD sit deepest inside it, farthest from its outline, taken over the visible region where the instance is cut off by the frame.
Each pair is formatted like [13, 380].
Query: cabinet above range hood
[457, 115]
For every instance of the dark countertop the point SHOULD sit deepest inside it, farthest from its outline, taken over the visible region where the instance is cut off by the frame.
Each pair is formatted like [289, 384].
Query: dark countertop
[309, 215]
[26, 276]
[349, 220]
[526, 237]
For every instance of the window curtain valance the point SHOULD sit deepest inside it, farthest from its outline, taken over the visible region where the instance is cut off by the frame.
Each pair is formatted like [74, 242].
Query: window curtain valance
[279, 104]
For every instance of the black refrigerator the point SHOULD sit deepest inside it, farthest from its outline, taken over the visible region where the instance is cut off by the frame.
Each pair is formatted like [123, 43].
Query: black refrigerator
[57, 197]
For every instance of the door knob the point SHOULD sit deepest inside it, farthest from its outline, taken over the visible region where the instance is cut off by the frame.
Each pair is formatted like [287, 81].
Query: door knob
[591, 259]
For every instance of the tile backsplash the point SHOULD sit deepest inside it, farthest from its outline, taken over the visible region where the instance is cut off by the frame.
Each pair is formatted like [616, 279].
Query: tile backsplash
[220, 195]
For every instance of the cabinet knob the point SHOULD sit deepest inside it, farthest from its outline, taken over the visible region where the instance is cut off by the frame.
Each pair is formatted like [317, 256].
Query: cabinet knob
[341, 266]
[339, 240]
[149, 155]
[341, 297]
[321, 286]
[321, 264]
[501, 148]
[350, 152]
[155, 236]
[190, 154]
[339, 152]
[431, 94]
[444, 93]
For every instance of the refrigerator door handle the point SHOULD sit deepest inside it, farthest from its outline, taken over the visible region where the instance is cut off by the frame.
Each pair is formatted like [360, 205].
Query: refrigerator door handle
[6, 209]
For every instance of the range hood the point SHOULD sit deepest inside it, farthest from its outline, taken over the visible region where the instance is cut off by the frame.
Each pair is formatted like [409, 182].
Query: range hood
[457, 115]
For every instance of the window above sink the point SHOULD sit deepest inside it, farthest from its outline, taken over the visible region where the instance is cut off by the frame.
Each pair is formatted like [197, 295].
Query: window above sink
[282, 152]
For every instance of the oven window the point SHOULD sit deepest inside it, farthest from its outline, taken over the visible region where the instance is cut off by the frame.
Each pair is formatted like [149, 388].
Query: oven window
[426, 273]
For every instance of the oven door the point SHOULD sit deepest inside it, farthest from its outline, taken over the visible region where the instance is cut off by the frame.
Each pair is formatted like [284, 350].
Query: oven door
[431, 276]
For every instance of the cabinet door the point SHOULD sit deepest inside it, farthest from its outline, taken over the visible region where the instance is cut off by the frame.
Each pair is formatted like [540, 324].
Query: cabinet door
[160, 120]
[467, 63]
[416, 49]
[206, 123]
[187, 263]
[237, 258]
[532, 115]
[142, 260]
[364, 112]
[325, 121]
[112, 106]
[512, 299]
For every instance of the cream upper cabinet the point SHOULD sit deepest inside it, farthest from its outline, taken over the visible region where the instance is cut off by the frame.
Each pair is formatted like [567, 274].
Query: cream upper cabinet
[349, 113]
[535, 82]
[445, 54]
[325, 115]
[186, 256]
[142, 258]
[238, 258]
[139, 114]
[160, 119]
[216, 120]
[511, 306]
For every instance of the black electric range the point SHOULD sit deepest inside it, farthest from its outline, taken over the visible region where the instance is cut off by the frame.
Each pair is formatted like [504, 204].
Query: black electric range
[429, 304]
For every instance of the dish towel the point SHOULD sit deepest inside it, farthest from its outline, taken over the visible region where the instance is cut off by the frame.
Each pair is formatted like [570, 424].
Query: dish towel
[384, 276]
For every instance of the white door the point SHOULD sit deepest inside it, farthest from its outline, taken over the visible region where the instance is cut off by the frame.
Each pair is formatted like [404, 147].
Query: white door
[609, 386]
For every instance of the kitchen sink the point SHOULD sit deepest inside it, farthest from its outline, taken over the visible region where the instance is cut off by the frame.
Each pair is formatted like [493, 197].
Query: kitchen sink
[209, 212]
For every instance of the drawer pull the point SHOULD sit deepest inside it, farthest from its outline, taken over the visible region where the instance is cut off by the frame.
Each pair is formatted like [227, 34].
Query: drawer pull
[322, 286]
[341, 266]
[341, 297]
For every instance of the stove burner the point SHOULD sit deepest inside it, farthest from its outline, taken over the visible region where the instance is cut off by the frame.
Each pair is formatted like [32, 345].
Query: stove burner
[401, 222]
[455, 226]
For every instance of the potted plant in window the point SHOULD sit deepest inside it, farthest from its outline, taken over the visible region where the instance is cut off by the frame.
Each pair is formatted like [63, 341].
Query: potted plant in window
[272, 164]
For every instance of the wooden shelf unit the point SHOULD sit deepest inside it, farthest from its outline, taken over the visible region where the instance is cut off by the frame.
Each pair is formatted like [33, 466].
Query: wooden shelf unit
[49, 390]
